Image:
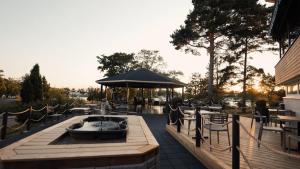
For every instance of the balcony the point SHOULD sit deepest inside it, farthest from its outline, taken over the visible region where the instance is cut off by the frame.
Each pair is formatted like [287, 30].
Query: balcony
[287, 70]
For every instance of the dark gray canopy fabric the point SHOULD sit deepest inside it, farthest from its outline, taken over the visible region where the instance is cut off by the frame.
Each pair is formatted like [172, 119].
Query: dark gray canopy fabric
[141, 78]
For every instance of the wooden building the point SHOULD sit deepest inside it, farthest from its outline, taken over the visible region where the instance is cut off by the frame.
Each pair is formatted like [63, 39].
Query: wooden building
[285, 29]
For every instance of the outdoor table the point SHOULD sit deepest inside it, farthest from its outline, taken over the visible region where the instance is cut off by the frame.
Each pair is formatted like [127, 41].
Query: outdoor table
[277, 111]
[189, 112]
[205, 112]
[86, 110]
[215, 108]
[292, 119]
[202, 112]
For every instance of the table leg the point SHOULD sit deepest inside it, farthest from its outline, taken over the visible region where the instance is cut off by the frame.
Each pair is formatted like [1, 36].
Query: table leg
[189, 123]
[298, 126]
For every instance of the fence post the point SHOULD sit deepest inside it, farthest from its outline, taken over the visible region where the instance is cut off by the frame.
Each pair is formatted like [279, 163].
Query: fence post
[235, 142]
[178, 120]
[47, 111]
[198, 125]
[4, 125]
[167, 112]
[29, 119]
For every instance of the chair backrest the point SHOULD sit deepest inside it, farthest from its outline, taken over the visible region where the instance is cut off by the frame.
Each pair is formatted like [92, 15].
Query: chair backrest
[219, 118]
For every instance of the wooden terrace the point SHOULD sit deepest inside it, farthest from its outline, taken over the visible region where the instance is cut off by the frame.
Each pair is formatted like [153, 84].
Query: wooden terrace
[258, 157]
[39, 151]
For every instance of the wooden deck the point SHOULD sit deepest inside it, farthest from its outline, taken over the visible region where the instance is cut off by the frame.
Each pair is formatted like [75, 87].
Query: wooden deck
[36, 151]
[258, 157]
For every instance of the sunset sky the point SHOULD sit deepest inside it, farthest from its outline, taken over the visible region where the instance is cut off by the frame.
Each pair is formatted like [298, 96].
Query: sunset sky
[65, 36]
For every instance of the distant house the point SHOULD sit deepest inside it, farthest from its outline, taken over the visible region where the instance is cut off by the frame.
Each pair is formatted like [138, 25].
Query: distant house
[78, 95]
[285, 29]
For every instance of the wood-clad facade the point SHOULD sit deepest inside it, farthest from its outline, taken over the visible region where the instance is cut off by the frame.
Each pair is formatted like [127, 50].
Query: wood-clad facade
[285, 29]
[287, 69]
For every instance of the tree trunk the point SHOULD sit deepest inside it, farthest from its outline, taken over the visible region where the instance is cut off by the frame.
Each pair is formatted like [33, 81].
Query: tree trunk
[211, 66]
[245, 77]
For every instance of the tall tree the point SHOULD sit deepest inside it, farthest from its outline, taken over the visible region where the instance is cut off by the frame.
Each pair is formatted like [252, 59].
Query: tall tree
[26, 90]
[203, 30]
[174, 74]
[248, 30]
[32, 86]
[197, 87]
[2, 84]
[46, 88]
[116, 63]
[37, 83]
[13, 87]
[268, 85]
[150, 59]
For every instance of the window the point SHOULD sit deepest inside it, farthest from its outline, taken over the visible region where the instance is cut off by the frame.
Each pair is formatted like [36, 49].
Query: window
[292, 89]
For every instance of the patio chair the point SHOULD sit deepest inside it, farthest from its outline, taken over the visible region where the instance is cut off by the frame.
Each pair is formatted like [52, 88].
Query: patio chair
[217, 123]
[294, 137]
[262, 127]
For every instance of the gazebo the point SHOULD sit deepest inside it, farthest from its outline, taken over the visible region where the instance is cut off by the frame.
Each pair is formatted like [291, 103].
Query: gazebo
[142, 78]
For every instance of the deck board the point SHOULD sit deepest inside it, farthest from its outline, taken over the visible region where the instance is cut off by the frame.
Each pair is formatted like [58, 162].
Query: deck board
[38, 147]
[258, 157]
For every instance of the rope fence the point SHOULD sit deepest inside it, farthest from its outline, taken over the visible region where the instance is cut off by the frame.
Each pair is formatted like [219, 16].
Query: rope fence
[28, 117]
[244, 157]
[18, 113]
[268, 147]
[236, 125]
[13, 129]
[40, 119]
[34, 110]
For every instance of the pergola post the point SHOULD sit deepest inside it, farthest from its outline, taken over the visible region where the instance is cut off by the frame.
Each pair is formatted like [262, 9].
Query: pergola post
[127, 98]
[182, 93]
[167, 95]
[106, 92]
[101, 92]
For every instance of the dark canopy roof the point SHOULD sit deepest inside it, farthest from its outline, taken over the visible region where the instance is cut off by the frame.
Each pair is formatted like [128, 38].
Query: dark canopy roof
[286, 12]
[140, 78]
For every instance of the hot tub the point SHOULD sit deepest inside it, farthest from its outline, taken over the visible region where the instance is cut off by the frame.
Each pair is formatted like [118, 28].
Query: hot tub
[99, 127]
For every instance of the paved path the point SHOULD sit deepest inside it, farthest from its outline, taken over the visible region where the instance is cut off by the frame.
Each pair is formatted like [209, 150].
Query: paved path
[172, 154]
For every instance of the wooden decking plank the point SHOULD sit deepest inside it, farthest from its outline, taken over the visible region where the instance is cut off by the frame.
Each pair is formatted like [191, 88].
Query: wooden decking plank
[77, 150]
[37, 147]
[258, 157]
[81, 145]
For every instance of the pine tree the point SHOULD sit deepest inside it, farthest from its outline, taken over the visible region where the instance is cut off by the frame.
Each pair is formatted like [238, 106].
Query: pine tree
[36, 81]
[26, 90]
[2, 84]
[46, 88]
[248, 32]
[203, 30]
[32, 86]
